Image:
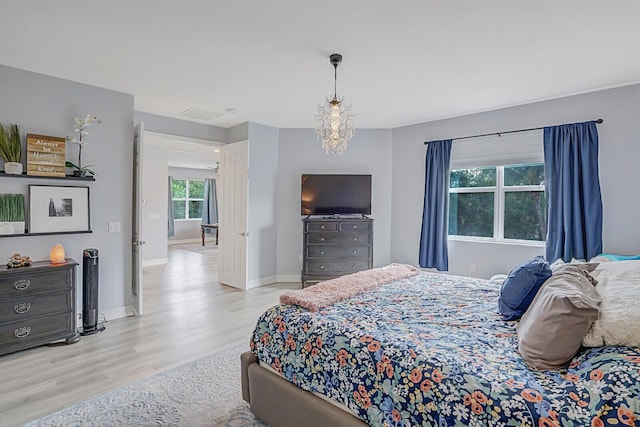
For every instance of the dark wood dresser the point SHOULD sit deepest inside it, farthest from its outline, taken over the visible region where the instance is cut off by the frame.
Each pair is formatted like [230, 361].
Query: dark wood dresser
[333, 247]
[37, 305]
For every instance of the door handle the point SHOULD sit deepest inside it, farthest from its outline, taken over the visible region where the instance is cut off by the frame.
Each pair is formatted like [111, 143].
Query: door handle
[244, 234]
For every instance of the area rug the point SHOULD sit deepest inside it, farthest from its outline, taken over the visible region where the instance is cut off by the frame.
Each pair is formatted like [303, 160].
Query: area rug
[205, 392]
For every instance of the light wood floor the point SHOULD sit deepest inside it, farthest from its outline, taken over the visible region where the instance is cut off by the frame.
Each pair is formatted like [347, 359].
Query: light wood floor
[188, 314]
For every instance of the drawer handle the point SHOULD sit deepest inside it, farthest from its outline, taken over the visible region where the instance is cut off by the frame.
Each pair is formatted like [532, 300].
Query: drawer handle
[322, 267]
[355, 226]
[322, 227]
[22, 307]
[354, 267]
[22, 284]
[355, 238]
[22, 332]
[322, 239]
[355, 252]
[321, 252]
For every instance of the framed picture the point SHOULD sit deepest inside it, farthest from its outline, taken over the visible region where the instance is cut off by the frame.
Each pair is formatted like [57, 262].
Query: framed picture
[45, 155]
[55, 209]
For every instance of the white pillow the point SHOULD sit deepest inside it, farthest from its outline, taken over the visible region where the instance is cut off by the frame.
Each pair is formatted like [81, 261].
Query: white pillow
[619, 319]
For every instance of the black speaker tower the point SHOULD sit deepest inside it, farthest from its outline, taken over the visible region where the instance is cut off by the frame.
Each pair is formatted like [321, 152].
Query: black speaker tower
[90, 293]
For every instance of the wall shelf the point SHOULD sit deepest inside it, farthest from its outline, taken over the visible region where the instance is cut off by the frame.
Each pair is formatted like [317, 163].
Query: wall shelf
[45, 234]
[66, 177]
[57, 178]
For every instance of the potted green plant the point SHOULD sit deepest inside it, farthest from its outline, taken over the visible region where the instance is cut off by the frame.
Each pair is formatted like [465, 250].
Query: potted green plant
[11, 213]
[11, 149]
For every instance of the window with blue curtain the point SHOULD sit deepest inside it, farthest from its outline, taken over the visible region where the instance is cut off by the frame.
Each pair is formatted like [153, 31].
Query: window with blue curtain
[433, 237]
[574, 201]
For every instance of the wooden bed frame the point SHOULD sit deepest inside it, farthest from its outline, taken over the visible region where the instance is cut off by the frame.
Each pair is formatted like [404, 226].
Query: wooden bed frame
[279, 403]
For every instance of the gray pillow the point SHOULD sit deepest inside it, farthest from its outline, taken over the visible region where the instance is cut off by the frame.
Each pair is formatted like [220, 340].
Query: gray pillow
[553, 327]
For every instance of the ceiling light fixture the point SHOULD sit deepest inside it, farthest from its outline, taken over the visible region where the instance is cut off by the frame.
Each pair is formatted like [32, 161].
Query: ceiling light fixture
[334, 121]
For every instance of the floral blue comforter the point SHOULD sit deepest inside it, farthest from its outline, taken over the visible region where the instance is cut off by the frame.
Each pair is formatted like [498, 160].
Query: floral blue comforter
[431, 350]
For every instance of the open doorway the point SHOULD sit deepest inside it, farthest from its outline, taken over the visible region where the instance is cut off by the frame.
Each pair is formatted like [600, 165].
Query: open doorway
[179, 183]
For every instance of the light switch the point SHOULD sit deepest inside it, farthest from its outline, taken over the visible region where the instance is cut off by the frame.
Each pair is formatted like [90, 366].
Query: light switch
[114, 227]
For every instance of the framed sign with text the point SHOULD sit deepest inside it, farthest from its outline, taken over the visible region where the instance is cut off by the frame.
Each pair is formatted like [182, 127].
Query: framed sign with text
[45, 155]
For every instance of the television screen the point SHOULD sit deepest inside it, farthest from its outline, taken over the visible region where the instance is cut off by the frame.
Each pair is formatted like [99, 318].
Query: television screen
[335, 194]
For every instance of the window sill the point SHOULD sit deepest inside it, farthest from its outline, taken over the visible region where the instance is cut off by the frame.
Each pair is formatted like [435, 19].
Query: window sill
[188, 219]
[469, 239]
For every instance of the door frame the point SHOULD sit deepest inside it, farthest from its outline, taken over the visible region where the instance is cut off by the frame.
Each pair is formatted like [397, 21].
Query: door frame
[137, 272]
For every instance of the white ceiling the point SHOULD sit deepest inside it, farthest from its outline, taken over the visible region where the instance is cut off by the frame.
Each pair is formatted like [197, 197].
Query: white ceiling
[266, 61]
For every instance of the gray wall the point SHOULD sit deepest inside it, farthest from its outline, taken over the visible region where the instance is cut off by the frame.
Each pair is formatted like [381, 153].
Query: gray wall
[263, 168]
[369, 152]
[47, 105]
[238, 133]
[619, 174]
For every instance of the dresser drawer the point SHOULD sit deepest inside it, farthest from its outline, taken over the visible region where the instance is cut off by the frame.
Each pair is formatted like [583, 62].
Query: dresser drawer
[354, 226]
[320, 267]
[337, 251]
[32, 329]
[337, 238]
[29, 306]
[12, 286]
[322, 226]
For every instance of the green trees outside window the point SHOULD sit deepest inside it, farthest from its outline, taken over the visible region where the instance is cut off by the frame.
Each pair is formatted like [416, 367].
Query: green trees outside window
[187, 198]
[504, 202]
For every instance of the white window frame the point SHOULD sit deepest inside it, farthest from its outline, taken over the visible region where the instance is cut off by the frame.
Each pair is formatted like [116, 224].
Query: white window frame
[499, 191]
[187, 199]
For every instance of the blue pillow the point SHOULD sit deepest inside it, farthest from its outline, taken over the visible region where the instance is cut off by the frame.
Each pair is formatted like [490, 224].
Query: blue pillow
[521, 286]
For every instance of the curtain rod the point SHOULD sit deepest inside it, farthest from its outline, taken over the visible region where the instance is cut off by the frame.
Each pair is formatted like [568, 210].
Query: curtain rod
[598, 121]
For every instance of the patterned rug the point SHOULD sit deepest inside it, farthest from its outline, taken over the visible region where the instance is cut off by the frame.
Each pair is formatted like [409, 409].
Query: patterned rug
[205, 392]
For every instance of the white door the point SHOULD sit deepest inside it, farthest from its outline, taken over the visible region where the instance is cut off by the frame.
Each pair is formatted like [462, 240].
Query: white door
[234, 179]
[136, 265]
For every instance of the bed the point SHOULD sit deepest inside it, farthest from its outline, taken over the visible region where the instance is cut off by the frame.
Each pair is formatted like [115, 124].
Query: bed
[427, 350]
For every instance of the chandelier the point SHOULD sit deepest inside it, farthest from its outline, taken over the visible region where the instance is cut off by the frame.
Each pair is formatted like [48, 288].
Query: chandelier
[334, 121]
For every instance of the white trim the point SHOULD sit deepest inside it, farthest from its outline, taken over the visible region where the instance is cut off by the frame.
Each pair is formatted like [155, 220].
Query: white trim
[512, 242]
[111, 314]
[288, 278]
[118, 312]
[156, 261]
[263, 281]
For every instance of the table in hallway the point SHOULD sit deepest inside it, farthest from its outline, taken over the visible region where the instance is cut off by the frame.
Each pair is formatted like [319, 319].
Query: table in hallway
[204, 227]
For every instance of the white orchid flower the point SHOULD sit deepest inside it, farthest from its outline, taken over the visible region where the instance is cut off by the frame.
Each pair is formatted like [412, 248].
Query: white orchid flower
[80, 128]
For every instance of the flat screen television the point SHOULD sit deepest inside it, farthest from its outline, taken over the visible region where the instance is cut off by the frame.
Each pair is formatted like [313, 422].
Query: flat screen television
[335, 194]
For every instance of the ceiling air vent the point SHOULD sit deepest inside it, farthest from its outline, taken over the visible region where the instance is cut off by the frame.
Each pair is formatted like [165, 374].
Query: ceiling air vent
[200, 114]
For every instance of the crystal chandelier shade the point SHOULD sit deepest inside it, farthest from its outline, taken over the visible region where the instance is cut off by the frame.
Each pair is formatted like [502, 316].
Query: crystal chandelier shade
[334, 121]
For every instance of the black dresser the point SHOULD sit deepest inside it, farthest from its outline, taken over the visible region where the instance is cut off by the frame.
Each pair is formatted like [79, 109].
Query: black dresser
[333, 247]
[37, 305]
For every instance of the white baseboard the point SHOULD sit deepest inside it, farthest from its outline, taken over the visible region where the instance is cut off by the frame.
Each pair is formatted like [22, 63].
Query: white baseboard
[263, 281]
[156, 261]
[118, 312]
[111, 314]
[289, 278]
